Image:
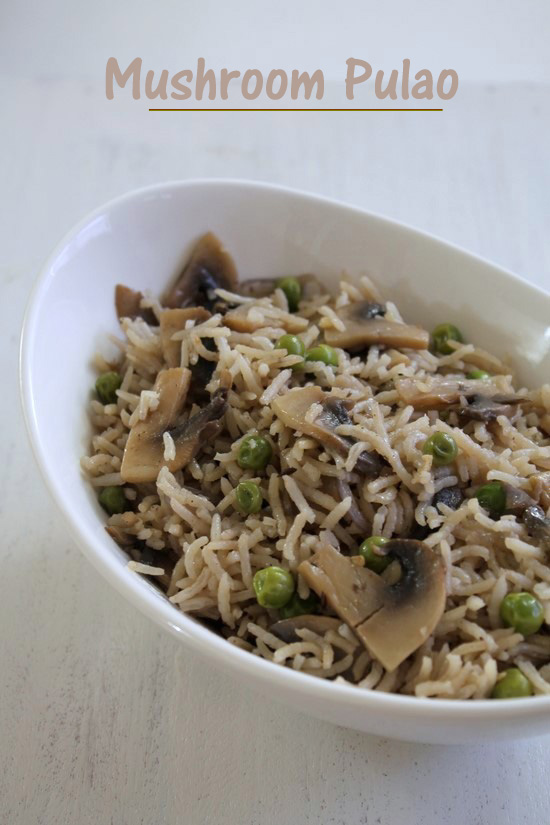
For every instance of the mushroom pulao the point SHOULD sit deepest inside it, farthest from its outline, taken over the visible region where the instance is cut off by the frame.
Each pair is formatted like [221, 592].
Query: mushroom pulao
[326, 485]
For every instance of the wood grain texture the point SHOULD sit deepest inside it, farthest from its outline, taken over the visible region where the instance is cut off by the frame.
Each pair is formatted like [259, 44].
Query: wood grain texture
[103, 718]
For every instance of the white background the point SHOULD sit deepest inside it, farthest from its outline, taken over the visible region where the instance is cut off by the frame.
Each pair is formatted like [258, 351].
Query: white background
[103, 719]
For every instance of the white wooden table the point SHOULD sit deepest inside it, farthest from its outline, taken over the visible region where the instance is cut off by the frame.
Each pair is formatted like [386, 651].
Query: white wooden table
[103, 718]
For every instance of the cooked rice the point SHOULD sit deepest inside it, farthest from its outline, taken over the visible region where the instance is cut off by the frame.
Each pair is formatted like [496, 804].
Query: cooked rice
[206, 551]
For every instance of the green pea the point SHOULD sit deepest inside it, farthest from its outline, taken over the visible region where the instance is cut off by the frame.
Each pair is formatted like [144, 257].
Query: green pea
[106, 386]
[300, 607]
[513, 685]
[442, 447]
[293, 291]
[322, 352]
[441, 336]
[492, 497]
[113, 500]
[273, 587]
[523, 612]
[249, 497]
[374, 559]
[479, 375]
[254, 453]
[293, 346]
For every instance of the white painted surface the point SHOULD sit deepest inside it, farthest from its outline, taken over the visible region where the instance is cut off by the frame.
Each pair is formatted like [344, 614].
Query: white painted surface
[489, 41]
[103, 719]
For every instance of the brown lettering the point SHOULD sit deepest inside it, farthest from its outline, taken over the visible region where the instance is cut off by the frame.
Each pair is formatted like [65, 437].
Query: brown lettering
[273, 76]
[182, 92]
[247, 77]
[225, 78]
[113, 73]
[308, 81]
[202, 79]
[351, 80]
[160, 91]
[441, 84]
[423, 90]
[391, 88]
[405, 79]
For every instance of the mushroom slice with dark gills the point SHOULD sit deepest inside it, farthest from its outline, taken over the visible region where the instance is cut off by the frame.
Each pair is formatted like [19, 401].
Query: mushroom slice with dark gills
[517, 500]
[487, 408]
[209, 268]
[520, 504]
[469, 397]
[365, 325]
[537, 524]
[391, 620]
[292, 409]
[451, 497]
[128, 305]
[172, 321]
[144, 451]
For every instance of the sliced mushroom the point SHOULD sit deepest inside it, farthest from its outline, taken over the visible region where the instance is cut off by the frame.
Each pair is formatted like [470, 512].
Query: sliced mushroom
[391, 620]
[144, 451]
[449, 496]
[435, 393]
[172, 321]
[488, 408]
[249, 318]
[292, 408]
[128, 305]
[366, 325]
[520, 504]
[419, 531]
[286, 629]
[209, 268]
[201, 374]
[517, 500]
[537, 524]
[201, 428]
[483, 402]
[353, 593]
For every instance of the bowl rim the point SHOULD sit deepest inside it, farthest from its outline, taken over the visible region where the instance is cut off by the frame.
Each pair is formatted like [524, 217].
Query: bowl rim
[166, 615]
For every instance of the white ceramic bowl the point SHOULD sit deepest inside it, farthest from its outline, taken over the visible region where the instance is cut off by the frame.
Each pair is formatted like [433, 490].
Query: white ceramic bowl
[142, 239]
